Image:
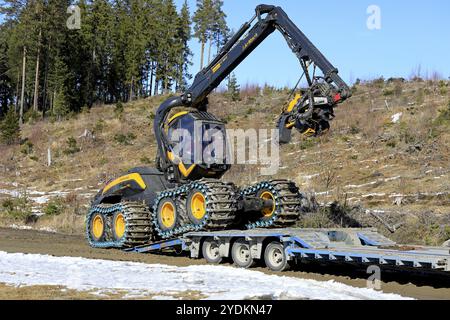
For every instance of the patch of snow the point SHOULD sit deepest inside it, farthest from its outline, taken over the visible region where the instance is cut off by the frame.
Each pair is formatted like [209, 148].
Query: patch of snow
[325, 193]
[40, 200]
[424, 194]
[18, 227]
[396, 195]
[72, 180]
[354, 200]
[37, 211]
[396, 117]
[21, 227]
[12, 193]
[376, 211]
[295, 152]
[214, 282]
[35, 193]
[392, 179]
[47, 229]
[374, 195]
[353, 186]
[370, 160]
[59, 193]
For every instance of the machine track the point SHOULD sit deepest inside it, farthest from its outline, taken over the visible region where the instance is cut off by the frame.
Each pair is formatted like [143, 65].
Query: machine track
[288, 204]
[221, 202]
[221, 207]
[138, 228]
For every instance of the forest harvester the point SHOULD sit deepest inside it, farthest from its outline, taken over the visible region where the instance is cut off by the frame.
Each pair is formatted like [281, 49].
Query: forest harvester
[186, 195]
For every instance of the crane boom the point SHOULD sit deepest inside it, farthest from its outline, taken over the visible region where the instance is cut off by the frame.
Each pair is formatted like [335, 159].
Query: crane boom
[235, 51]
[268, 19]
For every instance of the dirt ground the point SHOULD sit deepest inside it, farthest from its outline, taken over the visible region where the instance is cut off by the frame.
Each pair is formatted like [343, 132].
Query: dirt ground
[37, 242]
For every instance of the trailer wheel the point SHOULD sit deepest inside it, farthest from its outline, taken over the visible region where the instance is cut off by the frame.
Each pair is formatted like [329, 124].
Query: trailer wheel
[275, 257]
[242, 257]
[210, 250]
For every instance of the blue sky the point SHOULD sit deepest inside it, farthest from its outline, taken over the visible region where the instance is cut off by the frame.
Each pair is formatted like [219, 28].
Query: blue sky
[413, 33]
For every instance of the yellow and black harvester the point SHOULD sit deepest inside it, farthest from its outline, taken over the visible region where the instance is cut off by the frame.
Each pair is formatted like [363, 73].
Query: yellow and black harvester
[185, 192]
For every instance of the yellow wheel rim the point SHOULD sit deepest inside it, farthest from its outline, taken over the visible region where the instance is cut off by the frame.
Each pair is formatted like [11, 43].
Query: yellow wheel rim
[268, 212]
[168, 215]
[198, 206]
[97, 226]
[119, 225]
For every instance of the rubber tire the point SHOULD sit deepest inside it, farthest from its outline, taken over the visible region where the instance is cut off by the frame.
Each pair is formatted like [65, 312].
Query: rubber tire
[161, 225]
[284, 266]
[206, 253]
[113, 231]
[188, 207]
[285, 133]
[91, 234]
[235, 254]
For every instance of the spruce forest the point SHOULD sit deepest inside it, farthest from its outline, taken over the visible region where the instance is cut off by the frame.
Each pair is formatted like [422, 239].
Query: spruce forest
[58, 57]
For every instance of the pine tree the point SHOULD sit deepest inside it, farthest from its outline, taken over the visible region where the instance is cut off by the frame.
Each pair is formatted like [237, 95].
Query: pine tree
[60, 105]
[170, 47]
[18, 15]
[202, 25]
[186, 53]
[94, 52]
[220, 31]
[234, 91]
[39, 11]
[6, 83]
[9, 128]
[60, 52]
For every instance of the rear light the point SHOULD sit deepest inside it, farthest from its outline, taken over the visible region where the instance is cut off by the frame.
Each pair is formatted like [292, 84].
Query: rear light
[337, 97]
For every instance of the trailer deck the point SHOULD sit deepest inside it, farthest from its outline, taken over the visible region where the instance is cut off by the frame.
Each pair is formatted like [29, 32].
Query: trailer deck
[355, 246]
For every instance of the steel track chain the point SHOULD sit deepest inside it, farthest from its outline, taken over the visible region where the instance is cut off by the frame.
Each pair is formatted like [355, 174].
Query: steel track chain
[138, 229]
[221, 207]
[288, 202]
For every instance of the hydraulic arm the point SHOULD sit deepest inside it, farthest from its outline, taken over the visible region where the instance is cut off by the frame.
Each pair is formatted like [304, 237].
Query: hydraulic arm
[310, 112]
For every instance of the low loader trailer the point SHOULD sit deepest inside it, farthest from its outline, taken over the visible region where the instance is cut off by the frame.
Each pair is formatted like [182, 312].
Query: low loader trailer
[280, 249]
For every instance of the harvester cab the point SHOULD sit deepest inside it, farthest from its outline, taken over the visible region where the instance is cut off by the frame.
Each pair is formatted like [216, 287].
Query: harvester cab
[198, 145]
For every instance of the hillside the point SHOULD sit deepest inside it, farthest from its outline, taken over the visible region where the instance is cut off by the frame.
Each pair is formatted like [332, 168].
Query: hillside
[388, 151]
